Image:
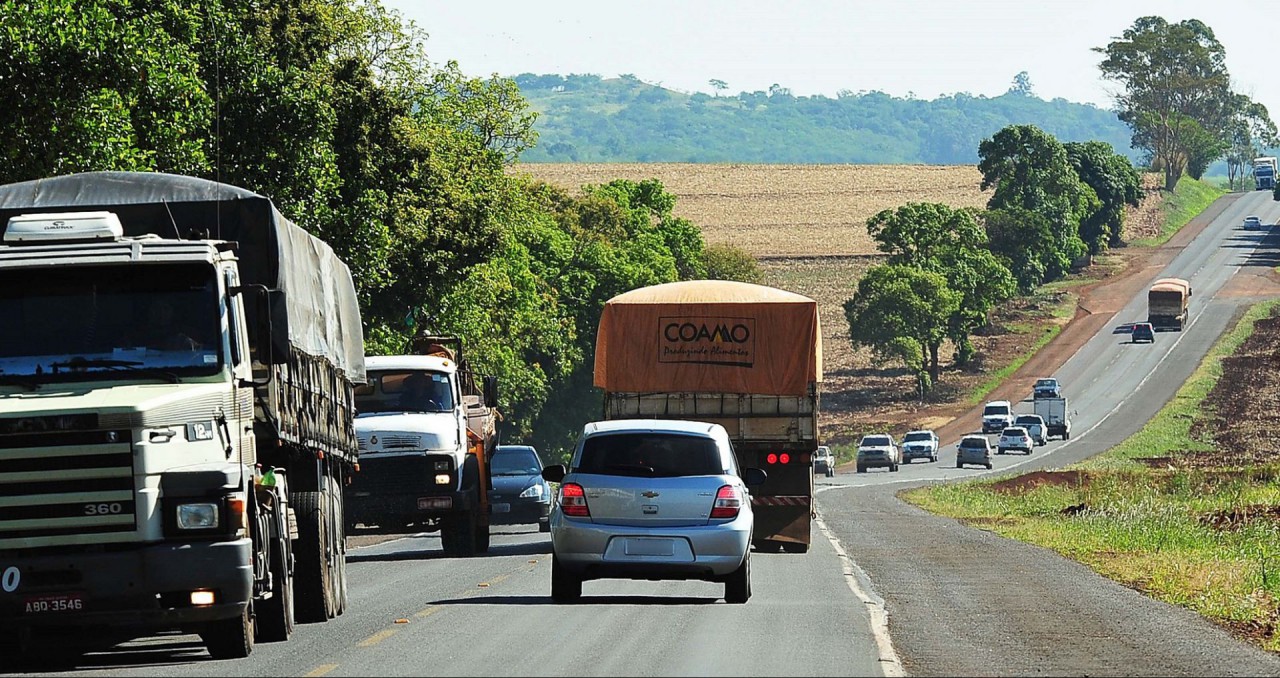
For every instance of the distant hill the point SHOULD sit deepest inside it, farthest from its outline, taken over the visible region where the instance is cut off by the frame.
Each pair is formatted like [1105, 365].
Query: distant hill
[586, 118]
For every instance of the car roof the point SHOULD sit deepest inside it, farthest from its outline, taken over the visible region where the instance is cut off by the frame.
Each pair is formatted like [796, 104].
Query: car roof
[920, 430]
[655, 425]
[998, 402]
[974, 438]
[1015, 429]
[1042, 380]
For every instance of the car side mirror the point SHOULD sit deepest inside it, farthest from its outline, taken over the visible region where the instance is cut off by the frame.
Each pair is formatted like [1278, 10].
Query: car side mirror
[554, 473]
[754, 477]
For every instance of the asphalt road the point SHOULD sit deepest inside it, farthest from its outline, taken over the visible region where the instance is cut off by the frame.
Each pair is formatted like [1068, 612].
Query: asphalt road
[959, 601]
[962, 601]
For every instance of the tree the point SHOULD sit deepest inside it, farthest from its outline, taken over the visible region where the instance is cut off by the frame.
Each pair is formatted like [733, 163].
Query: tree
[1115, 182]
[1176, 91]
[1022, 85]
[1028, 168]
[727, 262]
[1023, 240]
[718, 85]
[901, 312]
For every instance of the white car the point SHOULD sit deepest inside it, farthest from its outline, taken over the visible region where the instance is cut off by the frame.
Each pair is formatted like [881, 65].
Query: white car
[653, 499]
[824, 462]
[920, 444]
[997, 416]
[1252, 223]
[1015, 438]
[878, 450]
[1035, 425]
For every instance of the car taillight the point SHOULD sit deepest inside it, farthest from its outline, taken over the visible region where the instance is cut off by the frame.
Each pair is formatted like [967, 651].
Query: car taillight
[728, 503]
[573, 501]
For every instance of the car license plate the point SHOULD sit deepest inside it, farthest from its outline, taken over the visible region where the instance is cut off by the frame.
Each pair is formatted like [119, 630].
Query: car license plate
[54, 603]
[650, 547]
[502, 508]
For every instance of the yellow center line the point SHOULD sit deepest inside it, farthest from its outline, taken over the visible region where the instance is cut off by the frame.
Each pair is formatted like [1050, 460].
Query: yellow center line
[428, 612]
[377, 637]
[320, 670]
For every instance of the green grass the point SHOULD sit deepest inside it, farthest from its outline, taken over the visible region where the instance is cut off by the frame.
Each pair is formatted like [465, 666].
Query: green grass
[1146, 527]
[1190, 197]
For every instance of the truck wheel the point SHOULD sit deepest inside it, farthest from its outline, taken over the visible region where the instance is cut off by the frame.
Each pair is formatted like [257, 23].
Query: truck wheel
[566, 587]
[313, 573]
[1066, 435]
[230, 638]
[458, 535]
[275, 615]
[15, 649]
[737, 588]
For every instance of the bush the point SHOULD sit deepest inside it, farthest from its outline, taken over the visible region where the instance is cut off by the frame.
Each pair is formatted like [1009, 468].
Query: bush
[728, 262]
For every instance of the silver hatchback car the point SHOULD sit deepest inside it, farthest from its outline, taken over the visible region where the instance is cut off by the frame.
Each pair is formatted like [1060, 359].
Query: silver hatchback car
[652, 499]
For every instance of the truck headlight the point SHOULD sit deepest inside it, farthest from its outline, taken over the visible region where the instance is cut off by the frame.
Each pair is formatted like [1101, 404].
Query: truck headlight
[202, 516]
[532, 491]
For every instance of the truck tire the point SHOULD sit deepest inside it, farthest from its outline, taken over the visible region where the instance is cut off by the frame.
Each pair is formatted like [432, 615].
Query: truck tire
[15, 649]
[737, 588]
[275, 620]
[230, 638]
[313, 573]
[458, 534]
[340, 550]
[566, 587]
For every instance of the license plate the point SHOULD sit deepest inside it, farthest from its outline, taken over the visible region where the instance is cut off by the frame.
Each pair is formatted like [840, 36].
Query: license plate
[53, 603]
[502, 508]
[650, 547]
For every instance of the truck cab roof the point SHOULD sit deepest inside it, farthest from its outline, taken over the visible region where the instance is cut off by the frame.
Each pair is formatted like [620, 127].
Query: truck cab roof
[409, 362]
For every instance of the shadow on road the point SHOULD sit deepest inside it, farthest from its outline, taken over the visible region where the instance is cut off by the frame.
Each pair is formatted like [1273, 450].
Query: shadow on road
[585, 600]
[434, 553]
[55, 655]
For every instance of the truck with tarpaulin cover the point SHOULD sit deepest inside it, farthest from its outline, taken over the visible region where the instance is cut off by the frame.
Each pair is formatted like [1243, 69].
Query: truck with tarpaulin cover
[177, 372]
[745, 356]
[1168, 303]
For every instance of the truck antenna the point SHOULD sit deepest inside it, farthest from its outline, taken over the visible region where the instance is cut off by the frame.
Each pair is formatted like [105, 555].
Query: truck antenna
[173, 221]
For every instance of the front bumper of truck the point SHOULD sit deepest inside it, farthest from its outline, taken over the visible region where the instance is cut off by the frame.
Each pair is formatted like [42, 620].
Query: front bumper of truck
[148, 587]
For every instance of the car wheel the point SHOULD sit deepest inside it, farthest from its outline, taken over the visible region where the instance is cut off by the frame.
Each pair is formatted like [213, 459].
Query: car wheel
[893, 468]
[566, 587]
[737, 589]
[959, 464]
[988, 466]
[862, 469]
[544, 525]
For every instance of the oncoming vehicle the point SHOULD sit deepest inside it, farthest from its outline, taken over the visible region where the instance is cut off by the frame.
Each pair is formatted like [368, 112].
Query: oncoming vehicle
[652, 499]
[878, 451]
[996, 416]
[1047, 387]
[824, 462]
[520, 494]
[922, 444]
[1014, 438]
[973, 449]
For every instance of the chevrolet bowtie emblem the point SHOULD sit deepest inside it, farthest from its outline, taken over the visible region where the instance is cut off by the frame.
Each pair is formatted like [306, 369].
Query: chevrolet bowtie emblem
[648, 494]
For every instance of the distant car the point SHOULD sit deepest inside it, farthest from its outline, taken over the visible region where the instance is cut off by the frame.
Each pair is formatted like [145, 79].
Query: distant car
[520, 494]
[919, 444]
[997, 415]
[653, 499]
[1143, 332]
[878, 451]
[973, 449]
[1046, 388]
[1035, 426]
[1252, 223]
[1015, 439]
[824, 462]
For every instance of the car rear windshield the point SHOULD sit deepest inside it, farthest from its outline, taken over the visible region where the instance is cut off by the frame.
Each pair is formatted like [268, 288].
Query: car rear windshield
[1014, 432]
[657, 455]
[915, 437]
[1026, 420]
[970, 443]
[876, 441]
[996, 409]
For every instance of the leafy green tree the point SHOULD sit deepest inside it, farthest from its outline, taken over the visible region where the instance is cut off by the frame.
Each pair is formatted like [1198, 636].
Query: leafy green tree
[1024, 242]
[1029, 168]
[728, 262]
[902, 312]
[1116, 183]
[1176, 91]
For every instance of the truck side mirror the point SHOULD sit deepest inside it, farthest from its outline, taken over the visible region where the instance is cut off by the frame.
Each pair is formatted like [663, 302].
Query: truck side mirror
[554, 473]
[258, 305]
[754, 477]
[490, 391]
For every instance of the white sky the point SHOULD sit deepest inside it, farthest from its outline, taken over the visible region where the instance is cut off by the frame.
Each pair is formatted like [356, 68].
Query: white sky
[926, 47]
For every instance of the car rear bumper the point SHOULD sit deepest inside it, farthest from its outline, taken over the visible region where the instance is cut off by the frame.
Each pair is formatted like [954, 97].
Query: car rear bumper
[595, 551]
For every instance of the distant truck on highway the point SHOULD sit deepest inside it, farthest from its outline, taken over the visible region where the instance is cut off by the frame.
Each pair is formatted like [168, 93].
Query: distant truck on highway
[1168, 302]
[1057, 420]
[747, 357]
[177, 368]
[1265, 171]
[427, 427]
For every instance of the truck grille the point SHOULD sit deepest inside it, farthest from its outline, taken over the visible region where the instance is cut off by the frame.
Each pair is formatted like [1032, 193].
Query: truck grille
[400, 474]
[66, 487]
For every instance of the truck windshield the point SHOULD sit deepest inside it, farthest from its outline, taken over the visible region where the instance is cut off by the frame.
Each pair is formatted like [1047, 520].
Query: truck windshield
[98, 322]
[915, 437]
[406, 391]
[996, 410]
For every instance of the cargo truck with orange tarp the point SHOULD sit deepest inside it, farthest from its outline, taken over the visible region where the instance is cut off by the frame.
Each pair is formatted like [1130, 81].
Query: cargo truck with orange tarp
[747, 357]
[1168, 302]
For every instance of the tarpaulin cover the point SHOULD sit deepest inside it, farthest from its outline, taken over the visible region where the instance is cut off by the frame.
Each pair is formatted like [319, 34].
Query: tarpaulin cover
[321, 316]
[709, 336]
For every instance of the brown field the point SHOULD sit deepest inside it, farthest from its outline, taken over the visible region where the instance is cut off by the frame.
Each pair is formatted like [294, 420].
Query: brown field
[783, 210]
[807, 226]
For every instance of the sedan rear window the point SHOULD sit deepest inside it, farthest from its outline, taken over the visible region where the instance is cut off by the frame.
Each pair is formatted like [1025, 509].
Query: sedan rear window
[650, 455]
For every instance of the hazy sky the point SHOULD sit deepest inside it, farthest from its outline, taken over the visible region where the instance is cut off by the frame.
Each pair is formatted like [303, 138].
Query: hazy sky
[925, 47]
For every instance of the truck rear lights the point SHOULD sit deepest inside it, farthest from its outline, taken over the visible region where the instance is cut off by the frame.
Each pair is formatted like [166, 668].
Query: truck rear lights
[728, 503]
[784, 458]
[573, 501]
[774, 458]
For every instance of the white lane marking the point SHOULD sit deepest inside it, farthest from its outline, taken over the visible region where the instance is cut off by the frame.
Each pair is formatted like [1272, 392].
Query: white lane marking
[854, 576]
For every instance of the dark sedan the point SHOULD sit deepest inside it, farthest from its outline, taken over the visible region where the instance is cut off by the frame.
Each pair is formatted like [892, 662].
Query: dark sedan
[520, 495]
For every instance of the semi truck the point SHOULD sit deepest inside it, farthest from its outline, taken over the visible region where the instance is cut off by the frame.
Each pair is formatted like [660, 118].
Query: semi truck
[1264, 172]
[177, 372]
[427, 428]
[1057, 419]
[1168, 302]
[747, 357]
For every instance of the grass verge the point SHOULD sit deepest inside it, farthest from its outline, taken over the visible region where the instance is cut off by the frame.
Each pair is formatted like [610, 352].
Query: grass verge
[1204, 538]
[1190, 198]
